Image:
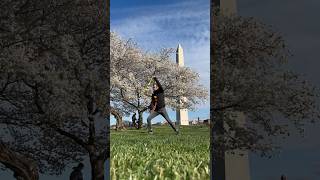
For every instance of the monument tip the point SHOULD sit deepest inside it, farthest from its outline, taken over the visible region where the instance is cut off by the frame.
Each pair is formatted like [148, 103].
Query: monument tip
[179, 47]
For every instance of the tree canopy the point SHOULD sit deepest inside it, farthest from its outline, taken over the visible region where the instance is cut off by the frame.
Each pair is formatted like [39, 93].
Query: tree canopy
[250, 75]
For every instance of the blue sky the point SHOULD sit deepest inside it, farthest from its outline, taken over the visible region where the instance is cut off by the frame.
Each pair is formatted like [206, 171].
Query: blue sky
[157, 24]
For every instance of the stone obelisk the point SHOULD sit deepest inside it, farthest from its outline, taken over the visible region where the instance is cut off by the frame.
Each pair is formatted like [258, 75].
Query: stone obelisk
[181, 114]
[237, 164]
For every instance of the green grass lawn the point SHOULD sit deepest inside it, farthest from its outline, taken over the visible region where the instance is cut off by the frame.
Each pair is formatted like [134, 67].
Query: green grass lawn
[163, 155]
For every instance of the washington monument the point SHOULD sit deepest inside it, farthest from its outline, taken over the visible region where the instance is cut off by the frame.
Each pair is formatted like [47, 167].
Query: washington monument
[182, 114]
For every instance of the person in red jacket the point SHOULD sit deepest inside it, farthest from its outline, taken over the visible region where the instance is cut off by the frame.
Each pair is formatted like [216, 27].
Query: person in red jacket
[158, 106]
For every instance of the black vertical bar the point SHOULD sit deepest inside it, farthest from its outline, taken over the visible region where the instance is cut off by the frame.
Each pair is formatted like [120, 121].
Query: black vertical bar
[216, 3]
[106, 6]
[217, 156]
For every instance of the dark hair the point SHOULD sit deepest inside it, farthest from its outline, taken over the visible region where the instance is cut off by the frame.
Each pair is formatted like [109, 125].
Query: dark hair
[80, 165]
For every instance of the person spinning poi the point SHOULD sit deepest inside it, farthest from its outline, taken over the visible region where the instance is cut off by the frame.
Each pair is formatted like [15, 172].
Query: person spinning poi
[157, 106]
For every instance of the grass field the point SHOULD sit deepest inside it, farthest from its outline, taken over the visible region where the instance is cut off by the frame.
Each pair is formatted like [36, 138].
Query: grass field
[163, 155]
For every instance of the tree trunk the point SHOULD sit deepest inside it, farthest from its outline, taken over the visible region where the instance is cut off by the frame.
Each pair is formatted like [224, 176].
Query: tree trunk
[97, 167]
[22, 167]
[134, 123]
[118, 117]
[140, 120]
[218, 165]
[216, 124]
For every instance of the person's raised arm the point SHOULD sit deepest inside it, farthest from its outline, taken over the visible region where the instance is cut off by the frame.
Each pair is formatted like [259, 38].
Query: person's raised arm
[158, 83]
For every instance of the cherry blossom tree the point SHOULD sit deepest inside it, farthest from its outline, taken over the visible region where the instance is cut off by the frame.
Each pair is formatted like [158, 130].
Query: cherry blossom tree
[131, 72]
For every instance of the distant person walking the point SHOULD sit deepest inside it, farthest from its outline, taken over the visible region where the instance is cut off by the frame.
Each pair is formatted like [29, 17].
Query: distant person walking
[158, 106]
[283, 177]
[134, 120]
[76, 174]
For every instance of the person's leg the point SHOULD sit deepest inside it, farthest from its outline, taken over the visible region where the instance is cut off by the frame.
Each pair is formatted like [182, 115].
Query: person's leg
[150, 117]
[164, 113]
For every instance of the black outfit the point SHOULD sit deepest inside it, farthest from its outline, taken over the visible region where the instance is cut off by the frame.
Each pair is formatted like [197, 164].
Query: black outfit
[159, 102]
[76, 174]
[134, 119]
[158, 96]
[283, 177]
